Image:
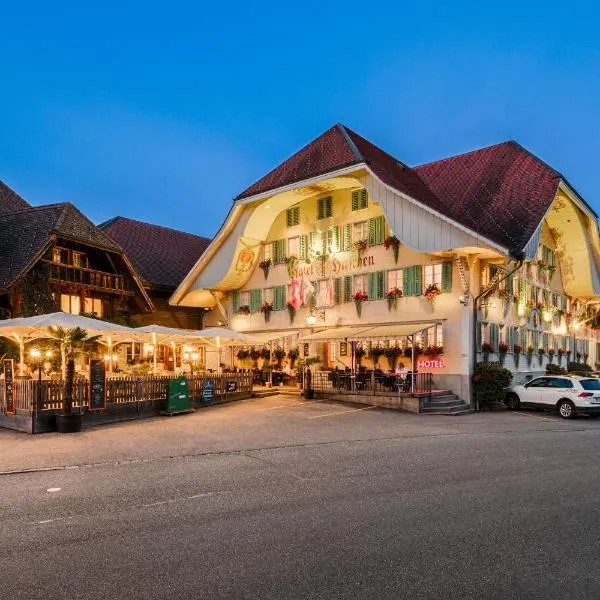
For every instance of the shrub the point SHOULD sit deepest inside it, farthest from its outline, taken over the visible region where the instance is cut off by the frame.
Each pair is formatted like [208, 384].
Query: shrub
[490, 382]
[573, 367]
[552, 369]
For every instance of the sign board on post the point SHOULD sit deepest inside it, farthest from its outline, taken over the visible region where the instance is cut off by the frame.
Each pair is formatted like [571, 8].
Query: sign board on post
[208, 390]
[97, 385]
[231, 386]
[9, 391]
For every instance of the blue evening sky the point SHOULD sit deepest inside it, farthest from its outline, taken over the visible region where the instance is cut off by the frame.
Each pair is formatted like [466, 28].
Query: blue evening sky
[165, 111]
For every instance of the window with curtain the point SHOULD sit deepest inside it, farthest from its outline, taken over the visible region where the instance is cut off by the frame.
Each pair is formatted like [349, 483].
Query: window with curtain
[433, 275]
[394, 279]
[360, 231]
[360, 283]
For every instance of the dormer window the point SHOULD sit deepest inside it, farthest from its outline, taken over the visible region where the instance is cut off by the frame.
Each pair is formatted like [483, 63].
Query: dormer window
[60, 256]
[79, 260]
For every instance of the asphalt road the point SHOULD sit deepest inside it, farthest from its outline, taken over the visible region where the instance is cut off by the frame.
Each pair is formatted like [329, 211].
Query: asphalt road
[360, 504]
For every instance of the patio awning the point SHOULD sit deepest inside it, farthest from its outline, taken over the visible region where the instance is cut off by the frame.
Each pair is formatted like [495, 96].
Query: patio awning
[271, 336]
[354, 334]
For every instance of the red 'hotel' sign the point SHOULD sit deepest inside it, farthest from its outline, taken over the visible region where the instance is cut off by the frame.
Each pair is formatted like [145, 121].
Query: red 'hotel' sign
[434, 363]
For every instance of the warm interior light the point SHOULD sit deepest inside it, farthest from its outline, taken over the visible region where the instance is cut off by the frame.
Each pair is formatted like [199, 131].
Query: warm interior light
[195, 356]
[186, 356]
[48, 353]
[521, 309]
[35, 353]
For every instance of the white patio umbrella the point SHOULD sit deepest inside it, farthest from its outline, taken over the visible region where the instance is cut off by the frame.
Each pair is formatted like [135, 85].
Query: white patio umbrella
[221, 336]
[27, 329]
[166, 335]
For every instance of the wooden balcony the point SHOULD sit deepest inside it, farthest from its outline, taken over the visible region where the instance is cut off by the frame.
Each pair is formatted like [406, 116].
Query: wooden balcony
[90, 278]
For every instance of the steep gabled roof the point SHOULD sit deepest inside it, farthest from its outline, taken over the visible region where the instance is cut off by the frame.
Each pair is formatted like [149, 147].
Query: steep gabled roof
[502, 192]
[26, 234]
[338, 148]
[10, 201]
[161, 256]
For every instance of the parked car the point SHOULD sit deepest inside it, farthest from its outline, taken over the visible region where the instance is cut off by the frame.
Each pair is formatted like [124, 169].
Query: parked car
[570, 395]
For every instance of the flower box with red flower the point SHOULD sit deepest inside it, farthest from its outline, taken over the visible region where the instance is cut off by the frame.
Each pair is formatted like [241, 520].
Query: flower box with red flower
[517, 349]
[432, 291]
[561, 351]
[487, 347]
[503, 347]
[551, 352]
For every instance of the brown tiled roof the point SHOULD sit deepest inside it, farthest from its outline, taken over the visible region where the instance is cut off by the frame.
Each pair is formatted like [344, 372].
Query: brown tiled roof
[26, 234]
[337, 148]
[161, 256]
[10, 201]
[501, 192]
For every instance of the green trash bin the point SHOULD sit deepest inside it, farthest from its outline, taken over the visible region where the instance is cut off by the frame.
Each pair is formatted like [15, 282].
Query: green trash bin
[178, 396]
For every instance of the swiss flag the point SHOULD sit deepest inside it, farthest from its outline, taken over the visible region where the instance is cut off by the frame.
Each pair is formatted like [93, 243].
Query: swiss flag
[296, 293]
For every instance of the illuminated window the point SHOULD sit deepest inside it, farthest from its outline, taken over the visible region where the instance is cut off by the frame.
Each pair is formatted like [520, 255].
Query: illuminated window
[361, 231]
[360, 283]
[79, 260]
[244, 298]
[268, 295]
[435, 336]
[293, 246]
[70, 304]
[433, 275]
[268, 251]
[60, 256]
[395, 279]
[94, 305]
[324, 292]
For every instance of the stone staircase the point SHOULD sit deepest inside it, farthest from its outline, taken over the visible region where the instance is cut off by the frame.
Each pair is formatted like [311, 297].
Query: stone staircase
[444, 402]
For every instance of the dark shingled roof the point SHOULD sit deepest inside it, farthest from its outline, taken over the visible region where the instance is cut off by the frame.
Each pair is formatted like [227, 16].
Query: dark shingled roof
[501, 192]
[26, 234]
[11, 201]
[337, 148]
[161, 256]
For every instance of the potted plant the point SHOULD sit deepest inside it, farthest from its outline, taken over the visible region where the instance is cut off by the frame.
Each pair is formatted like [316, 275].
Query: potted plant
[266, 309]
[359, 247]
[561, 353]
[279, 355]
[540, 353]
[307, 376]
[394, 243]
[432, 291]
[244, 309]
[434, 350]
[243, 355]
[358, 299]
[73, 341]
[517, 354]
[265, 354]
[503, 348]
[254, 356]
[293, 355]
[375, 353]
[291, 262]
[265, 265]
[359, 353]
[392, 353]
[486, 348]
[550, 354]
[291, 311]
[392, 296]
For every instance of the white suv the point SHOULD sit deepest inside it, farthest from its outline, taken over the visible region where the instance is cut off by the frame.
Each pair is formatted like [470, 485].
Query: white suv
[568, 394]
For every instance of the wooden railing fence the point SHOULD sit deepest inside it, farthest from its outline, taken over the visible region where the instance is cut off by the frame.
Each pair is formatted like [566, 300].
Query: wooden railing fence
[122, 390]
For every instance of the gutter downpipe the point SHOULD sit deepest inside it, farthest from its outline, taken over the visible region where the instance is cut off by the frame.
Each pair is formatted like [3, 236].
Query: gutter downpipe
[486, 291]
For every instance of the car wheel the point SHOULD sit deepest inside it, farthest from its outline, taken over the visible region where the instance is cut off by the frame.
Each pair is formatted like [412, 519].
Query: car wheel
[566, 409]
[513, 402]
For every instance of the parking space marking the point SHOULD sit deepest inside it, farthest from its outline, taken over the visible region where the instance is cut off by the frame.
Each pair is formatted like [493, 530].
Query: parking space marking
[524, 414]
[342, 412]
[290, 405]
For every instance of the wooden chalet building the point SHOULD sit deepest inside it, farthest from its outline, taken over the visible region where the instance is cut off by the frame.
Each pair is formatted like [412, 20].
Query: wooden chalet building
[53, 258]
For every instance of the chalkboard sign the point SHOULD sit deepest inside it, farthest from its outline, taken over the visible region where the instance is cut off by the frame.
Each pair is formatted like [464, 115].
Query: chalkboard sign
[208, 390]
[305, 350]
[343, 348]
[9, 391]
[97, 385]
[231, 386]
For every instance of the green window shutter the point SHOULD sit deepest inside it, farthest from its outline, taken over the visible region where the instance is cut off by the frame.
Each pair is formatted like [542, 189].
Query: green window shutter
[494, 336]
[312, 240]
[335, 244]
[509, 285]
[320, 209]
[235, 302]
[418, 280]
[348, 288]
[289, 219]
[355, 199]
[372, 232]
[296, 215]
[325, 207]
[278, 251]
[380, 285]
[380, 230]
[255, 300]
[407, 281]
[337, 290]
[329, 206]
[302, 246]
[292, 216]
[279, 293]
[511, 337]
[363, 201]
[447, 276]
[347, 237]
[372, 286]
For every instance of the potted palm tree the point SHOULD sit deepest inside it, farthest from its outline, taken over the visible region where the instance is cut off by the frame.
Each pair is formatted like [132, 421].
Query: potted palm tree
[73, 341]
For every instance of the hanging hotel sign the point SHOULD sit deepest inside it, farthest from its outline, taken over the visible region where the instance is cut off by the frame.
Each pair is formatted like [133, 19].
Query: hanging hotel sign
[337, 265]
[431, 363]
[9, 392]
